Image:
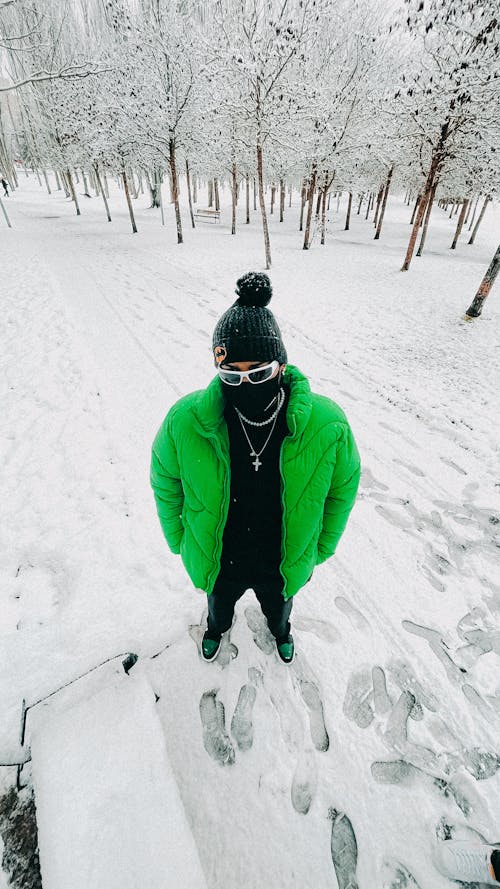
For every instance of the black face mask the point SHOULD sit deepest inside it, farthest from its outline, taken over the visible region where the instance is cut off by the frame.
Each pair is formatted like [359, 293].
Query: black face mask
[257, 402]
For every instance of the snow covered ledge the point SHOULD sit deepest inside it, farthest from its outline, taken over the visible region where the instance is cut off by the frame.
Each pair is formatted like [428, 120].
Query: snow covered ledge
[109, 812]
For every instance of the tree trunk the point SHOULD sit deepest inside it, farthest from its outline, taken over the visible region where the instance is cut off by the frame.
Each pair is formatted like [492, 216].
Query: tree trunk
[460, 223]
[427, 217]
[328, 204]
[273, 193]
[4, 211]
[65, 184]
[234, 197]
[469, 208]
[195, 189]
[323, 210]
[480, 219]
[247, 199]
[303, 195]
[360, 202]
[348, 215]
[417, 202]
[98, 180]
[260, 175]
[290, 197]
[369, 204]
[57, 180]
[379, 201]
[474, 211]
[72, 191]
[154, 187]
[424, 199]
[210, 193]
[106, 187]
[254, 193]
[282, 199]
[175, 189]
[216, 190]
[485, 286]
[46, 181]
[85, 185]
[384, 203]
[318, 203]
[188, 181]
[160, 197]
[312, 186]
[129, 202]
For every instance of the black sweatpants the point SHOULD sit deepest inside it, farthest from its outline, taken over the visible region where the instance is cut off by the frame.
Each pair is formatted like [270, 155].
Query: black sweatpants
[226, 593]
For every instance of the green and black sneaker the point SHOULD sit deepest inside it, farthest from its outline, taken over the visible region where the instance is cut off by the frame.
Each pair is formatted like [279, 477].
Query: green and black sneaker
[210, 647]
[286, 648]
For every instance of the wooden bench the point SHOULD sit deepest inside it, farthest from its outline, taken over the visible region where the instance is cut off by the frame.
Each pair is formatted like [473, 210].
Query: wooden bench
[208, 214]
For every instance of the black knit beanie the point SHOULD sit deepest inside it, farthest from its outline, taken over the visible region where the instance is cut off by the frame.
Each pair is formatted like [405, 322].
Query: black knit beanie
[248, 331]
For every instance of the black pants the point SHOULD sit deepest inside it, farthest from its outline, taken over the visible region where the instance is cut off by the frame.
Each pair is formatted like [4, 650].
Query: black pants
[270, 595]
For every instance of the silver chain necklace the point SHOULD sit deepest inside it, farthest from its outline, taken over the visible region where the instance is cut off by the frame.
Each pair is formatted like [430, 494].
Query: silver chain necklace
[281, 398]
[253, 453]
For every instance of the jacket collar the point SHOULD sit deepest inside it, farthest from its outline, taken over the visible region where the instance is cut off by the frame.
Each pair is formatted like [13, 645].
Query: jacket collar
[209, 406]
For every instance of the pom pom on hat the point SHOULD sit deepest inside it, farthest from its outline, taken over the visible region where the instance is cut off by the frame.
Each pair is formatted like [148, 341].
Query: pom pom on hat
[253, 289]
[248, 331]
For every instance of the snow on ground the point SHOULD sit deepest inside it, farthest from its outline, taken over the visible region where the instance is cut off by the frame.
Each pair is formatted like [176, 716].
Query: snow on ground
[101, 332]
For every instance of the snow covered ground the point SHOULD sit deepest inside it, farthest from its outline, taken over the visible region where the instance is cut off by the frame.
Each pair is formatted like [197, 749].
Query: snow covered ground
[391, 711]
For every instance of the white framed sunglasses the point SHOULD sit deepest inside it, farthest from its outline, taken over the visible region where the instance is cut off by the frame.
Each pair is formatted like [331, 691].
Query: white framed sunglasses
[255, 376]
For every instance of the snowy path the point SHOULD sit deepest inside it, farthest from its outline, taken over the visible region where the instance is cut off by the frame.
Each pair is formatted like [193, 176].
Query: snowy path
[390, 713]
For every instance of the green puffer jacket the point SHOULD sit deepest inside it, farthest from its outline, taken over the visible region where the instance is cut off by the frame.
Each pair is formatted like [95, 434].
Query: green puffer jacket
[190, 476]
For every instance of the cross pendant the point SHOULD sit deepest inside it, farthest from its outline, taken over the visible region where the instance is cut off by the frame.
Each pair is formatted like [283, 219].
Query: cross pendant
[256, 463]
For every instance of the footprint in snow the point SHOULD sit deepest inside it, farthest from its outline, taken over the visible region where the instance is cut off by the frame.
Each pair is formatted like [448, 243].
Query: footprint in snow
[311, 697]
[241, 723]
[440, 587]
[397, 771]
[381, 699]
[446, 831]
[356, 706]
[256, 677]
[409, 467]
[215, 739]
[395, 875]
[368, 480]
[399, 521]
[320, 628]
[305, 781]
[344, 850]
[355, 616]
[262, 636]
[480, 763]
[453, 465]
[396, 733]
[403, 676]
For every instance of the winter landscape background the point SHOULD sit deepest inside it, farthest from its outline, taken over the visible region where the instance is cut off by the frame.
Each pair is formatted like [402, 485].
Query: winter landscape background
[390, 713]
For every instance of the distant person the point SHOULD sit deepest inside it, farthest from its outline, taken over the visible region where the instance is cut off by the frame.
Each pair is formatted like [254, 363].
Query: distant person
[255, 476]
[468, 862]
[5, 188]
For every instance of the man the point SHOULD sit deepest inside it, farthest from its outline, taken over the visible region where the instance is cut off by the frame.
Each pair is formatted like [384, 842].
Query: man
[255, 476]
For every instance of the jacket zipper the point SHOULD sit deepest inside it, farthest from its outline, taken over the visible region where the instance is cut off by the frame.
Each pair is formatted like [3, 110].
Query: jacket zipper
[283, 523]
[224, 512]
